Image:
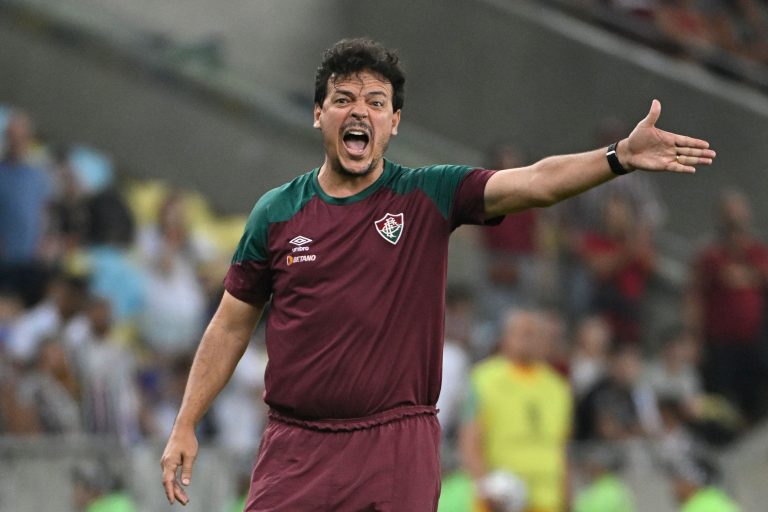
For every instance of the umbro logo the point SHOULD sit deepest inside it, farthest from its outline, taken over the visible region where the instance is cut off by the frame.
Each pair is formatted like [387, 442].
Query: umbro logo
[299, 241]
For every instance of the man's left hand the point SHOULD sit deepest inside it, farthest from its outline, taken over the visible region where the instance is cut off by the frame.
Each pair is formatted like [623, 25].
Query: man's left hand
[651, 149]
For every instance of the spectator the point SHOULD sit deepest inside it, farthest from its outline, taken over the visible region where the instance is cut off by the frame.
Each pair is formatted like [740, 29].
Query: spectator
[96, 489]
[589, 358]
[620, 259]
[605, 491]
[674, 375]
[25, 191]
[173, 316]
[50, 391]
[518, 417]
[619, 406]
[110, 395]
[585, 213]
[694, 485]
[60, 313]
[730, 279]
[677, 438]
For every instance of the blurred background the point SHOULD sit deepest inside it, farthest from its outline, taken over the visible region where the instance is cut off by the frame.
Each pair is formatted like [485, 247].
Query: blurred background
[136, 136]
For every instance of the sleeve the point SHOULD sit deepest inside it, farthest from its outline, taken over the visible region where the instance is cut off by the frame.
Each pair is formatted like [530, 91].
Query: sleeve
[468, 205]
[250, 277]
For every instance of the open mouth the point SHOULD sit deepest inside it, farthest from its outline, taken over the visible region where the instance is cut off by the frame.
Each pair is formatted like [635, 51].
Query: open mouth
[355, 140]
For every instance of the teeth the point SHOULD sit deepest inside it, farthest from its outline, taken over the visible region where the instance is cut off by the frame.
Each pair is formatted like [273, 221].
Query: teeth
[356, 132]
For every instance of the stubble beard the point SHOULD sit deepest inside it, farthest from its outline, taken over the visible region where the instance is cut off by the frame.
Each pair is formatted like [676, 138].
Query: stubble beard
[343, 171]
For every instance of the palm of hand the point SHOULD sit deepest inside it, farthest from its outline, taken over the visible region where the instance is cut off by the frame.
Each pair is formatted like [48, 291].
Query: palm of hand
[652, 149]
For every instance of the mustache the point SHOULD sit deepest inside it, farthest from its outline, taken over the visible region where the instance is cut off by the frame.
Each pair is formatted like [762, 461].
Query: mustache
[357, 125]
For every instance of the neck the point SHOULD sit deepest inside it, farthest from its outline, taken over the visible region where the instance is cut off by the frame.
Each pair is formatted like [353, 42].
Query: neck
[339, 182]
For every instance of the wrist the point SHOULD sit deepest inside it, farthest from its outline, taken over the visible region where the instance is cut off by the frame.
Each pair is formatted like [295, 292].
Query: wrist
[182, 424]
[618, 158]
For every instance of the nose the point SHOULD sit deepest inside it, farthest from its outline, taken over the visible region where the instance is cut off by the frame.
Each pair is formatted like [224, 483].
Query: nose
[359, 112]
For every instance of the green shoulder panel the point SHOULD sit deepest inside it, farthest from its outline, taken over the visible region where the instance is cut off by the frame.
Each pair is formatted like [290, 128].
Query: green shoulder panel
[438, 182]
[277, 205]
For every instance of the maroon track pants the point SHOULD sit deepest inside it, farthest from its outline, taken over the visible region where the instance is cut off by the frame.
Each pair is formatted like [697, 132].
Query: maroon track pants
[386, 462]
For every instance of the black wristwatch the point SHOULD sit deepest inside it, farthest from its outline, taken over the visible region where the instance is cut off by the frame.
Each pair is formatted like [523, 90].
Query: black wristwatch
[613, 161]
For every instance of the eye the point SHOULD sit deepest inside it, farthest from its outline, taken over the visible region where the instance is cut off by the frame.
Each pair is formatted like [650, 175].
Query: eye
[377, 103]
[341, 100]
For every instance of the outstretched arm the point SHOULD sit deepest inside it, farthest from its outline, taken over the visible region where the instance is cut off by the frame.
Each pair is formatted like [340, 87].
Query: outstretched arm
[222, 346]
[555, 178]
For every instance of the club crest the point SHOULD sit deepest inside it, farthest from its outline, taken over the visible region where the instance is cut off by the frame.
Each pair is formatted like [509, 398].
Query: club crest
[390, 227]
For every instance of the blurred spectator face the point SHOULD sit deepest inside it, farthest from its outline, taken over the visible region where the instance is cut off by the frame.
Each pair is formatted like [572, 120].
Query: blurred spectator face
[69, 295]
[680, 351]
[100, 316]
[522, 337]
[593, 336]
[172, 219]
[735, 213]
[18, 135]
[626, 366]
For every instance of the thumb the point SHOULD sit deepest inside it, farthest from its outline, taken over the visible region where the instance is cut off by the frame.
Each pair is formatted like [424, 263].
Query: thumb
[186, 469]
[653, 114]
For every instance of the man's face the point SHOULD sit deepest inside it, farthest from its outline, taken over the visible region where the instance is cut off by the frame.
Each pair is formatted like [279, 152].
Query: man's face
[522, 337]
[356, 120]
[18, 135]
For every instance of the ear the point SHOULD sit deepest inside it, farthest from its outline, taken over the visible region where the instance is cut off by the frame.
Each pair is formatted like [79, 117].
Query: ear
[317, 111]
[395, 122]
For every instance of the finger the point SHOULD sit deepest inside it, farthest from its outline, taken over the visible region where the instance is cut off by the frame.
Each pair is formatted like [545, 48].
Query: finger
[186, 469]
[683, 141]
[654, 113]
[698, 153]
[682, 167]
[179, 493]
[169, 480]
[692, 160]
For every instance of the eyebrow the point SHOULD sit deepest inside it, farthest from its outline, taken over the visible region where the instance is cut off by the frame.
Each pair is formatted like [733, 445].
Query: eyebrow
[348, 92]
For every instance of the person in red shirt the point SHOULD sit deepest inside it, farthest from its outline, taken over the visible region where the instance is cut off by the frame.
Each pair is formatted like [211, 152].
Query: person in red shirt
[620, 259]
[730, 280]
[352, 259]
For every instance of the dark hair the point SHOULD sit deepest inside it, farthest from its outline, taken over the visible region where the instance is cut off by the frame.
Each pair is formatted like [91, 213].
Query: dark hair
[350, 56]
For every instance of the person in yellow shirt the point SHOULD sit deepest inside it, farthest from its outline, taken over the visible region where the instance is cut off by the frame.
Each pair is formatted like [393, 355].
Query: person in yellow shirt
[517, 422]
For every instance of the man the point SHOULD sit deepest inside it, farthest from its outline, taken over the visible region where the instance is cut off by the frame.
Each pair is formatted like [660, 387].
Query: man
[619, 406]
[518, 418]
[25, 191]
[353, 256]
[730, 280]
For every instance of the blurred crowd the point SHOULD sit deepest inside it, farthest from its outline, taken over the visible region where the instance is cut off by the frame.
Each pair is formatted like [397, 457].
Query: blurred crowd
[552, 367]
[695, 27]
[106, 286]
